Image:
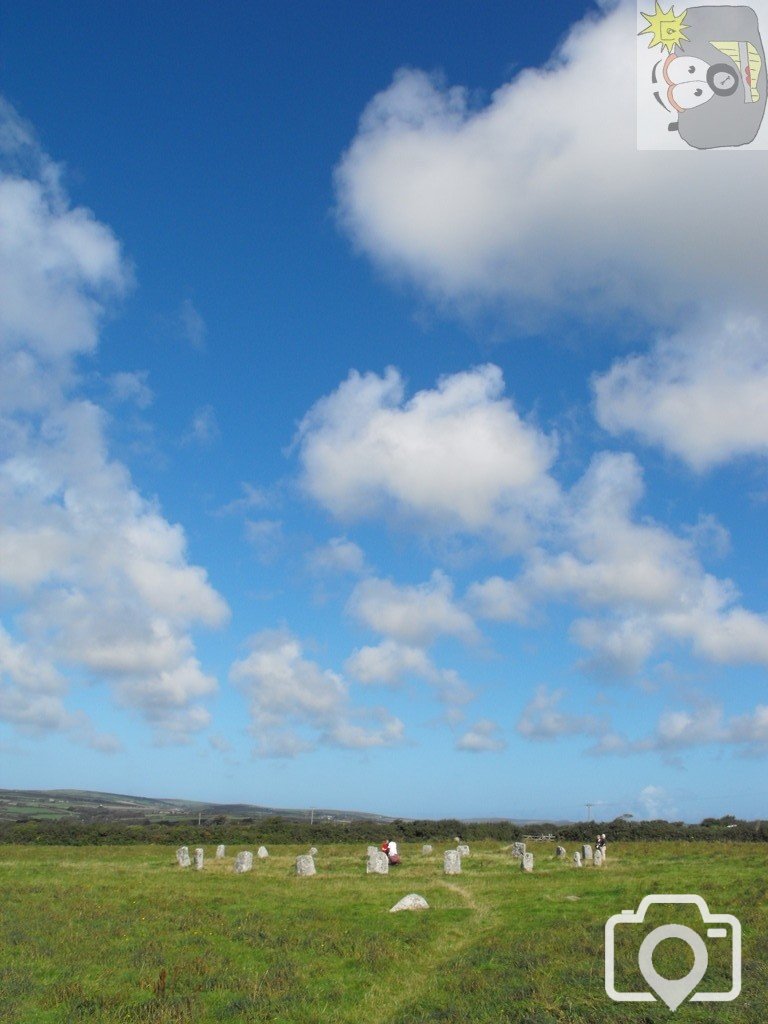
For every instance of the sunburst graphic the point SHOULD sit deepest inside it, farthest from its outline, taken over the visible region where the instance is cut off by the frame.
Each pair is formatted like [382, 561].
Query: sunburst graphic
[665, 28]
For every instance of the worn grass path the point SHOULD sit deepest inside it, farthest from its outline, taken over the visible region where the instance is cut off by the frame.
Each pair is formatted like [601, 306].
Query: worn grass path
[115, 934]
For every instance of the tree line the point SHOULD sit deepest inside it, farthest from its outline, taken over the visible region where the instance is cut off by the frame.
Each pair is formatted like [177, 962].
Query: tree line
[252, 831]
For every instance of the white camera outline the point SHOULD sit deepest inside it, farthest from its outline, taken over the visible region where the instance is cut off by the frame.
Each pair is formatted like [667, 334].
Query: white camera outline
[638, 917]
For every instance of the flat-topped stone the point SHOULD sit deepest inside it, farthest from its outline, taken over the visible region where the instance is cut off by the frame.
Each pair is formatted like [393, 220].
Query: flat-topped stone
[220, 851]
[199, 858]
[526, 864]
[518, 850]
[586, 852]
[463, 850]
[410, 902]
[182, 857]
[426, 848]
[305, 865]
[452, 862]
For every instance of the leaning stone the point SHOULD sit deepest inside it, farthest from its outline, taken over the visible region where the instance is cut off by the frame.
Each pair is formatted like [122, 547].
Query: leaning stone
[305, 865]
[378, 863]
[220, 852]
[597, 860]
[586, 852]
[199, 858]
[462, 850]
[313, 851]
[262, 853]
[518, 850]
[577, 860]
[182, 856]
[426, 848]
[526, 864]
[560, 853]
[243, 862]
[410, 902]
[451, 862]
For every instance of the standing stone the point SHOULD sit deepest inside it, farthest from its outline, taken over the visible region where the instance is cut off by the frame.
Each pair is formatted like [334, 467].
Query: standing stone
[378, 862]
[426, 848]
[199, 858]
[220, 852]
[305, 865]
[243, 862]
[313, 851]
[262, 853]
[463, 850]
[451, 862]
[410, 902]
[182, 856]
[597, 860]
[371, 851]
[586, 852]
[577, 860]
[526, 864]
[518, 850]
[560, 853]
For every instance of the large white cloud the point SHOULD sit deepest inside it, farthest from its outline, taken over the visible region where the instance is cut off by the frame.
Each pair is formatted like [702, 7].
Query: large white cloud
[457, 456]
[95, 581]
[295, 704]
[700, 394]
[643, 585]
[540, 197]
[414, 615]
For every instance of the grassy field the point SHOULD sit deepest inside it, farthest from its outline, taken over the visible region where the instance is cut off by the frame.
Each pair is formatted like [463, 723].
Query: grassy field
[116, 934]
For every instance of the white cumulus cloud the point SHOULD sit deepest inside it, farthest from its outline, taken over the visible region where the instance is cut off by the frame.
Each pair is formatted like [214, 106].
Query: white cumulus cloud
[295, 704]
[457, 456]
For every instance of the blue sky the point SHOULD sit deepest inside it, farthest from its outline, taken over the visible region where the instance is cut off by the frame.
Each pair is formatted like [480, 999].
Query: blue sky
[380, 428]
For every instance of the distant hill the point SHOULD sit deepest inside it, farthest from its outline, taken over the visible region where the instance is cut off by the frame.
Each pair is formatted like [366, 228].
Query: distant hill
[87, 806]
[84, 805]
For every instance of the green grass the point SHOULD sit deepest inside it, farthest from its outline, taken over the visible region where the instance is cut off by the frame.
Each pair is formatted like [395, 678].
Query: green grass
[115, 934]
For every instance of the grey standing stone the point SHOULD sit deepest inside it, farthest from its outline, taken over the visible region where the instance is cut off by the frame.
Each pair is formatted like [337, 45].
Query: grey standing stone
[410, 902]
[313, 851]
[597, 860]
[526, 864]
[182, 856]
[305, 865]
[378, 863]
[371, 851]
[586, 852]
[577, 860]
[451, 862]
[199, 858]
[243, 861]
[518, 850]
[560, 853]
[262, 853]
[426, 848]
[462, 850]
[220, 851]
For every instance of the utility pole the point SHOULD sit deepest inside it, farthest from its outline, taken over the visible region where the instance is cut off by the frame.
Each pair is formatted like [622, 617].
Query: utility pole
[199, 818]
[312, 816]
[589, 811]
